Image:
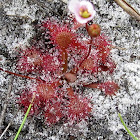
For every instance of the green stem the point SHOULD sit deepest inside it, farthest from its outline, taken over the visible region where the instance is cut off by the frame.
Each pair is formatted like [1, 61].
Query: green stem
[129, 132]
[25, 117]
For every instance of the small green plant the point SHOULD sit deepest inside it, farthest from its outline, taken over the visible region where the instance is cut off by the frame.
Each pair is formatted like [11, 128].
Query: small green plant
[25, 117]
[129, 132]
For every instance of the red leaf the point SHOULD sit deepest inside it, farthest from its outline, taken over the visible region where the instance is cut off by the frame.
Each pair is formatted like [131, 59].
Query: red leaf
[109, 87]
[25, 99]
[46, 91]
[78, 108]
[50, 63]
[30, 60]
[53, 112]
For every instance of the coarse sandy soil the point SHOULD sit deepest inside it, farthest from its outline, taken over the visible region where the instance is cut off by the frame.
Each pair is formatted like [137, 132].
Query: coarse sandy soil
[18, 19]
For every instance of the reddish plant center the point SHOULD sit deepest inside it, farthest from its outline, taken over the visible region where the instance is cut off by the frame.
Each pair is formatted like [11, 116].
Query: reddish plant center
[63, 39]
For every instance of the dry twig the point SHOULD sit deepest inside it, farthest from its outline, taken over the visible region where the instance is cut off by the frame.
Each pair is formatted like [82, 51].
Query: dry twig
[115, 47]
[9, 124]
[6, 102]
[5, 130]
[128, 8]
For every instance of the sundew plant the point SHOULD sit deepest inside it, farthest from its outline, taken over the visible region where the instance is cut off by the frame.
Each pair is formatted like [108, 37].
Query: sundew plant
[73, 62]
[57, 70]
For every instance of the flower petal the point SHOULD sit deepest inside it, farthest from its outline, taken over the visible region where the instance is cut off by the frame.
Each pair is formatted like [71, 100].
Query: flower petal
[73, 5]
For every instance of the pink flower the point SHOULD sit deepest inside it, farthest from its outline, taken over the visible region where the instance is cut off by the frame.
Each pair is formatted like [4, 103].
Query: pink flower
[83, 10]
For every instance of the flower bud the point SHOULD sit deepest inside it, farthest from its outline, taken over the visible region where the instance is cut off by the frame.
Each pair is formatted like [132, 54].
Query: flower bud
[94, 30]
